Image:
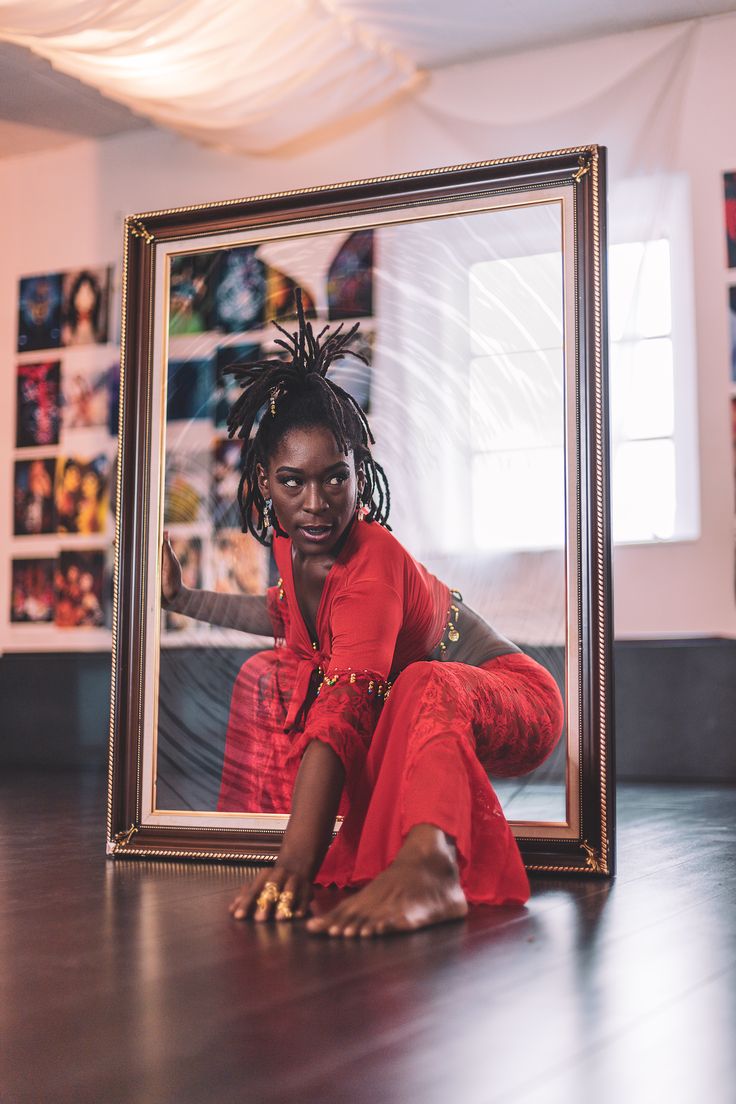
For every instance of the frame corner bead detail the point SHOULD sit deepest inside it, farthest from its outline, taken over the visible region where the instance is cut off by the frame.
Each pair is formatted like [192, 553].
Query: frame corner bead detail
[122, 839]
[138, 230]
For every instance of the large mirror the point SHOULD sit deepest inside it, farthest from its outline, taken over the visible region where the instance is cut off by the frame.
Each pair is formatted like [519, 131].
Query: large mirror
[478, 295]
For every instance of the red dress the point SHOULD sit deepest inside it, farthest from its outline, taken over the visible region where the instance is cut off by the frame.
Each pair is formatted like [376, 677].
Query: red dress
[416, 737]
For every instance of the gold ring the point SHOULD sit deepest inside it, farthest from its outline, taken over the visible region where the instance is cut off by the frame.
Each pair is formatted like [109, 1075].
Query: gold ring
[283, 908]
[268, 894]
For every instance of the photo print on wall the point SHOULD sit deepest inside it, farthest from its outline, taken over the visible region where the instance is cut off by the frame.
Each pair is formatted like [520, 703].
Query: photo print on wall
[188, 551]
[350, 279]
[191, 290]
[39, 312]
[187, 487]
[240, 563]
[729, 187]
[32, 590]
[33, 497]
[79, 584]
[227, 388]
[85, 396]
[281, 298]
[37, 411]
[86, 298]
[225, 479]
[240, 296]
[189, 390]
[81, 494]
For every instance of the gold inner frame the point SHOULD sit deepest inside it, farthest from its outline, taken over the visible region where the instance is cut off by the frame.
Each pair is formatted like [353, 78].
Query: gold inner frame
[309, 227]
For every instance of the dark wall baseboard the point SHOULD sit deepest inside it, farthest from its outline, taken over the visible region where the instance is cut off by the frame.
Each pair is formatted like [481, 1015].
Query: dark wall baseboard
[675, 709]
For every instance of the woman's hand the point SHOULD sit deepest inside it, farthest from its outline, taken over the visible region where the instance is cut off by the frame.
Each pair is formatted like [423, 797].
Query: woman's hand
[278, 893]
[170, 570]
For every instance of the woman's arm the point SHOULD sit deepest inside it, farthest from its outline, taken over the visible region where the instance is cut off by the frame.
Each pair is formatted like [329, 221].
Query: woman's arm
[247, 612]
[317, 791]
[332, 745]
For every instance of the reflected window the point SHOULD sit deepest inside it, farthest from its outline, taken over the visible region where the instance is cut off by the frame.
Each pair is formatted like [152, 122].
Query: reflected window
[516, 403]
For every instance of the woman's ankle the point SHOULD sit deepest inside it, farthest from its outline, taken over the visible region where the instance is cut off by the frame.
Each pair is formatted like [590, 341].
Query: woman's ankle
[428, 843]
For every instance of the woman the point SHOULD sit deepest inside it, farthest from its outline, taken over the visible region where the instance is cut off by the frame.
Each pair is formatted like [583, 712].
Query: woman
[386, 692]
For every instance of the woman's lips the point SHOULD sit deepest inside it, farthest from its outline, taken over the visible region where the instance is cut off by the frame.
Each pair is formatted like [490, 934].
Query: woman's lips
[315, 532]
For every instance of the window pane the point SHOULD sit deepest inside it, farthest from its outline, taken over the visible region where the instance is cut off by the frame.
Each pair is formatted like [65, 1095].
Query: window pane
[516, 401]
[640, 292]
[519, 499]
[642, 389]
[644, 491]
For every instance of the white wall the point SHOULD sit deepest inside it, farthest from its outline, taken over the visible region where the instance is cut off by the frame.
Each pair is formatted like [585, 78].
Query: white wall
[64, 209]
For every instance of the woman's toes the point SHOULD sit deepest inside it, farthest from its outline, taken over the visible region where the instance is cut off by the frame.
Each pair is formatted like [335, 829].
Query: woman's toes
[317, 924]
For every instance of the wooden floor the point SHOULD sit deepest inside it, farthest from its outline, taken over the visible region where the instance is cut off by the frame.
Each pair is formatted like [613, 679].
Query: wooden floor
[127, 981]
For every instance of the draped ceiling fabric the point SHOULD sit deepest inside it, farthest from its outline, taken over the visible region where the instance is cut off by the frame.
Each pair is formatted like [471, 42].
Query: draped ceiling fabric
[246, 77]
[264, 78]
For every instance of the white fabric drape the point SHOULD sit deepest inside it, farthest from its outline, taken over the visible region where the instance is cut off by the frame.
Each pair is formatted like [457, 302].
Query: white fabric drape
[248, 77]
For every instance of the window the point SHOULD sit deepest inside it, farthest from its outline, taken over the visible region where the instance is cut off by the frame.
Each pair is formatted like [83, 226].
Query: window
[516, 382]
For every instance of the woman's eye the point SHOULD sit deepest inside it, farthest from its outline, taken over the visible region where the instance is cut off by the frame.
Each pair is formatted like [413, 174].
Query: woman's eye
[290, 481]
[336, 480]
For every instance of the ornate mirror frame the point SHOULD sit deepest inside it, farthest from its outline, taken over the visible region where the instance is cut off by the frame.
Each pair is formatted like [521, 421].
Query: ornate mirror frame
[578, 175]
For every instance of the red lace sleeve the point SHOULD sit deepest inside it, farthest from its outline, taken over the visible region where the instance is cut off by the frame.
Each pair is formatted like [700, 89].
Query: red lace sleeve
[344, 715]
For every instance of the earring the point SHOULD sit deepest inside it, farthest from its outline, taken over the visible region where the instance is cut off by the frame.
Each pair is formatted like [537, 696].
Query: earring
[363, 511]
[267, 513]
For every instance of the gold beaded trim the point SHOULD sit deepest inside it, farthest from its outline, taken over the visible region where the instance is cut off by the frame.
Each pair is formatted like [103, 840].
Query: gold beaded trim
[280, 585]
[453, 613]
[380, 689]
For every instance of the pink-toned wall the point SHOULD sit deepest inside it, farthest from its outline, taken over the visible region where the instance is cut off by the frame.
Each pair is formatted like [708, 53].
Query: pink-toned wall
[64, 209]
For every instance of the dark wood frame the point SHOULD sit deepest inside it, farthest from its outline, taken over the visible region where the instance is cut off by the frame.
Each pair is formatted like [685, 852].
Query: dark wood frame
[585, 168]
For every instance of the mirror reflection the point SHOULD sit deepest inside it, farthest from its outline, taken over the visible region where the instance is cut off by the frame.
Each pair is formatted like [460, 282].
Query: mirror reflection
[458, 364]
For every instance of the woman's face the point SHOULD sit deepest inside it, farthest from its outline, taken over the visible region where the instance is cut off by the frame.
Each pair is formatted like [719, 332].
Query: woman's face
[84, 300]
[314, 488]
[72, 478]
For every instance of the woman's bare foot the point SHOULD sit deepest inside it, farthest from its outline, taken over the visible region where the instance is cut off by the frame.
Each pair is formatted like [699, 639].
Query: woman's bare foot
[419, 888]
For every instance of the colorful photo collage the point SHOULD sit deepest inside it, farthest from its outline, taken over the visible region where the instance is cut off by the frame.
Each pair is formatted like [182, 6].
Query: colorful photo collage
[235, 290]
[65, 431]
[729, 187]
[67, 590]
[59, 309]
[229, 293]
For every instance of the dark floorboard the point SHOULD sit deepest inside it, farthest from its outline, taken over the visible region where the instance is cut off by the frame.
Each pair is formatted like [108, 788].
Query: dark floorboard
[128, 982]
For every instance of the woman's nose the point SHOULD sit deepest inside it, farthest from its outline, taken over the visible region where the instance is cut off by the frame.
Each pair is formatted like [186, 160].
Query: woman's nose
[314, 502]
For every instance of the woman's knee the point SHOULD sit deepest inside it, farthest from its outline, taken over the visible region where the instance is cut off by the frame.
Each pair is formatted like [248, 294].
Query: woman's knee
[413, 676]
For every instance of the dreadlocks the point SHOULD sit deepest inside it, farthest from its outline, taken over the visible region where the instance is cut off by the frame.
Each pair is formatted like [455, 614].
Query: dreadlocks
[294, 389]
